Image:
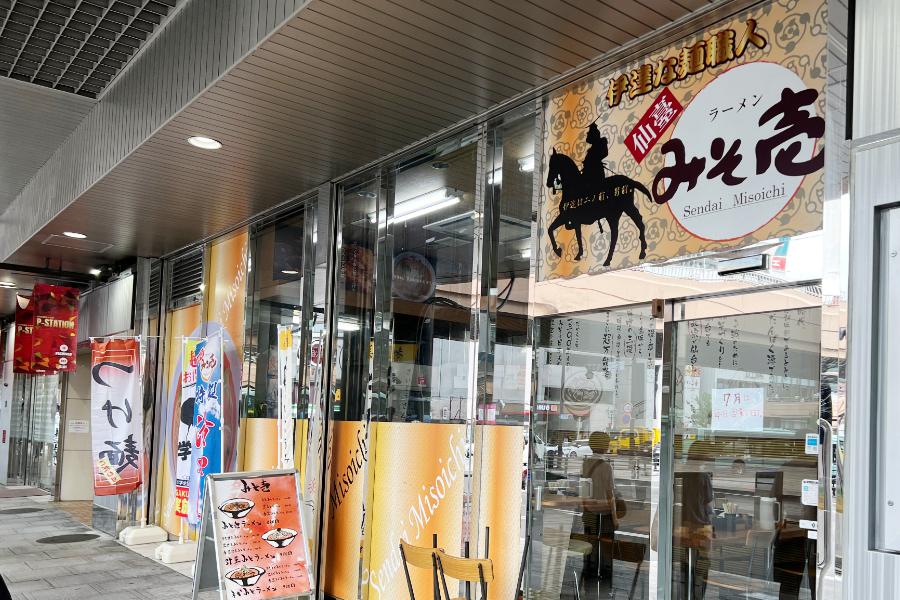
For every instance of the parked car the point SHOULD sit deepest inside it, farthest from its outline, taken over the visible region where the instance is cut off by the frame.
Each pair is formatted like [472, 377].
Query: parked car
[578, 448]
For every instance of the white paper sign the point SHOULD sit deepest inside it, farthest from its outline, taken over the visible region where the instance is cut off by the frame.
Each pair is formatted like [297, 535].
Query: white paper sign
[738, 409]
[812, 443]
[285, 397]
[809, 495]
[78, 426]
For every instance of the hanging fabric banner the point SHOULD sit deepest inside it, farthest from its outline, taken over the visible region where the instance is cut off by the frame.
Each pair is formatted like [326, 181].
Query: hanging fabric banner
[22, 358]
[55, 327]
[116, 416]
[285, 397]
[185, 425]
[206, 451]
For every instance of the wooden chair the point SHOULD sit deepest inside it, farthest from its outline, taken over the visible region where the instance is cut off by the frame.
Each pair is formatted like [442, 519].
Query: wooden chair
[421, 558]
[480, 570]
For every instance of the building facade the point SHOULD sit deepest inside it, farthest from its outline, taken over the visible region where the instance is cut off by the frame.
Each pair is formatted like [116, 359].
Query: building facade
[567, 288]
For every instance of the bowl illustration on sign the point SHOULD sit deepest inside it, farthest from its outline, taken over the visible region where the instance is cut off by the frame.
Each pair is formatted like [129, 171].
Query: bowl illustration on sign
[237, 508]
[280, 538]
[245, 576]
[208, 365]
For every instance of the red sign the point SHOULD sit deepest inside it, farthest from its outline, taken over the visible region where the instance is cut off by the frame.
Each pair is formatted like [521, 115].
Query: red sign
[55, 327]
[661, 114]
[22, 352]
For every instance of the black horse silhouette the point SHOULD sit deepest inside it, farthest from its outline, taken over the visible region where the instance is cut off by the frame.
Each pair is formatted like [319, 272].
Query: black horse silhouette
[589, 197]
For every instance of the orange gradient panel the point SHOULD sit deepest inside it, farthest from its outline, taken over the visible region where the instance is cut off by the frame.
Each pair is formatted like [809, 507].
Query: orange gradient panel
[226, 295]
[344, 498]
[179, 324]
[500, 449]
[419, 480]
[260, 447]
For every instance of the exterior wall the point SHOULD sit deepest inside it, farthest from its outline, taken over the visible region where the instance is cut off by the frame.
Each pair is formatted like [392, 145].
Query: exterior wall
[76, 469]
[875, 155]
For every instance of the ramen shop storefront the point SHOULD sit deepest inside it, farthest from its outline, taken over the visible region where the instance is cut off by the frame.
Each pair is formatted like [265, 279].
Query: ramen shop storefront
[585, 338]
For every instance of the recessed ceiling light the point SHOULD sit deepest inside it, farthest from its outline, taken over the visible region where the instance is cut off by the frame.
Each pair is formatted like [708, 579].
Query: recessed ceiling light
[74, 234]
[204, 142]
[94, 272]
[7, 284]
[290, 272]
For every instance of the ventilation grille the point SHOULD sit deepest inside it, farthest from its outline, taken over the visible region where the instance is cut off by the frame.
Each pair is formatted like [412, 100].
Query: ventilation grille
[77, 46]
[154, 291]
[187, 277]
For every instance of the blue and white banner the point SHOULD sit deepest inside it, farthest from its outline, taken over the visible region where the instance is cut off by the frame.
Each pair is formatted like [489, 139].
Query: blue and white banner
[206, 450]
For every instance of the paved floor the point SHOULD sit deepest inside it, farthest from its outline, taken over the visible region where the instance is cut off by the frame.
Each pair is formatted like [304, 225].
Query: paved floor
[100, 568]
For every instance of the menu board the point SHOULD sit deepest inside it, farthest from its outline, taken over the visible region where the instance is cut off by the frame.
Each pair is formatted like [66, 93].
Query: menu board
[252, 528]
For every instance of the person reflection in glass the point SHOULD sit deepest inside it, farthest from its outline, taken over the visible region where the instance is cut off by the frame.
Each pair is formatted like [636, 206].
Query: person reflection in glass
[599, 516]
[692, 535]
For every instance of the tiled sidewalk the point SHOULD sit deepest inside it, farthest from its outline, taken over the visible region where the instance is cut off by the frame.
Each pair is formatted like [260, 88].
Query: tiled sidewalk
[100, 568]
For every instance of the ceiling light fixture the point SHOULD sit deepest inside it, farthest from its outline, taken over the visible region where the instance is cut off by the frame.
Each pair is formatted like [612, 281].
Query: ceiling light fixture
[419, 206]
[526, 164]
[7, 284]
[74, 234]
[289, 272]
[95, 272]
[205, 143]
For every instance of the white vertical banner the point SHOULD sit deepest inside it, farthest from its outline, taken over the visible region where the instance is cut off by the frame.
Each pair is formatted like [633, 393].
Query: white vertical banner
[285, 397]
[185, 424]
[116, 416]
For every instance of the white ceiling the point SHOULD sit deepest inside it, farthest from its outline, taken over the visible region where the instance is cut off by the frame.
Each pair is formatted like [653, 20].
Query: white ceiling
[341, 85]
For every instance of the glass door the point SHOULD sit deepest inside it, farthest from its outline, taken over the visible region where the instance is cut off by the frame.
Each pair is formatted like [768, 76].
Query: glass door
[34, 431]
[744, 430]
[595, 467]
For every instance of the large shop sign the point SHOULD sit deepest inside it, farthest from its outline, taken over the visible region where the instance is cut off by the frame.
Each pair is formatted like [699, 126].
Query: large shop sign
[716, 142]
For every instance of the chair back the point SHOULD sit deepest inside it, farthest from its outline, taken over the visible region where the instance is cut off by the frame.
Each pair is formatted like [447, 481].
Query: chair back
[422, 558]
[480, 570]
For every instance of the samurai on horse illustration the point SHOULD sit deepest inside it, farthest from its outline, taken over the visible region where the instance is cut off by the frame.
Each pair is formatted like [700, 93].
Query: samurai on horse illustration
[589, 196]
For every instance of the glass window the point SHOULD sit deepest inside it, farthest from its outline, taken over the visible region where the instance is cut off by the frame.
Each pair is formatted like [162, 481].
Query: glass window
[747, 394]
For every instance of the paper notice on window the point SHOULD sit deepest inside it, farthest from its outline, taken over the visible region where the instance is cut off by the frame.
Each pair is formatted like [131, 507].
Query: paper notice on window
[809, 495]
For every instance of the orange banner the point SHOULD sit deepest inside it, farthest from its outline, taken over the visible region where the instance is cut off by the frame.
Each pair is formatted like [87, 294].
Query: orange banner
[226, 295]
[116, 416]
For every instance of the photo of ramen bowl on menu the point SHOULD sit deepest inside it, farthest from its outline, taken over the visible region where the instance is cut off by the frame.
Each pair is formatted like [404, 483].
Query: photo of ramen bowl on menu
[280, 538]
[245, 576]
[237, 508]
